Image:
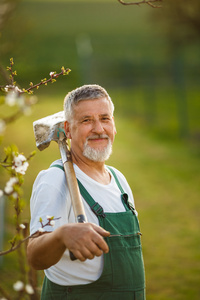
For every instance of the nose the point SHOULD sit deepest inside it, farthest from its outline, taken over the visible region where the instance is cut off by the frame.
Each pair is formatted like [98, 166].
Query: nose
[98, 127]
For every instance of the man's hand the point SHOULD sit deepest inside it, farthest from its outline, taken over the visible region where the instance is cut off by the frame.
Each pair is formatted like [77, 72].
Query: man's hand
[84, 240]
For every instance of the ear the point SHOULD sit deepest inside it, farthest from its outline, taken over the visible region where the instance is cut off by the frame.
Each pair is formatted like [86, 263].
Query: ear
[67, 129]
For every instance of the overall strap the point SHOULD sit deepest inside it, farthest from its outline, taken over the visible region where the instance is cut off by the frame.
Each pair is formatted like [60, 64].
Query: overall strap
[95, 206]
[57, 166]
[116, 179]
[128, 205]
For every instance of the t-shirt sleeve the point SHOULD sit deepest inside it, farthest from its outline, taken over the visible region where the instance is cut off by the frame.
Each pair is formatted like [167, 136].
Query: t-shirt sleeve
[49, 198]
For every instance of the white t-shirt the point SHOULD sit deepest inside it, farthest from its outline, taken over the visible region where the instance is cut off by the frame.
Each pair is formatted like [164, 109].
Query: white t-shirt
[50, 197]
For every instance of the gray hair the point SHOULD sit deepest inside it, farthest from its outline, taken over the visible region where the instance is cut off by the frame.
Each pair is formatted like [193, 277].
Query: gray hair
[85, 92]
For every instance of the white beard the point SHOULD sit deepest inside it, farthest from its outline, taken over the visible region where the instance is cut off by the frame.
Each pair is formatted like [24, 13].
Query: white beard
[97, 154]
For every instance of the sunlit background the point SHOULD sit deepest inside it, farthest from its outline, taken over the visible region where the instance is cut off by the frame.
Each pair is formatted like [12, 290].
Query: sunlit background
[148, 59]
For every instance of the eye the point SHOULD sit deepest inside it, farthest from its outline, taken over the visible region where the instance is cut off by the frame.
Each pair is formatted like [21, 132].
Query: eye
[105, 118]
[87, 120]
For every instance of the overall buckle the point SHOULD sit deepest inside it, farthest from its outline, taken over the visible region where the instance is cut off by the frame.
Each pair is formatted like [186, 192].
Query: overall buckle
[98, 210]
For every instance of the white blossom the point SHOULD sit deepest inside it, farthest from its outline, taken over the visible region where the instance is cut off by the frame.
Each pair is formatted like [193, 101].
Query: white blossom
[52, 223]
[8, 189]
[51, 73]
[11, 98]
[2, 126]
[49, 217]
[6, 88]
[19, 159]
[9, 185]
[15, 195]
[22, 226]
[13, 180]
[18, 286]
[41, 229]
[22, 169]
[29, 289]
[20, 164]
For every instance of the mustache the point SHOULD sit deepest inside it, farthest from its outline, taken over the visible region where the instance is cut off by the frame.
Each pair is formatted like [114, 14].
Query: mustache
[97, 136]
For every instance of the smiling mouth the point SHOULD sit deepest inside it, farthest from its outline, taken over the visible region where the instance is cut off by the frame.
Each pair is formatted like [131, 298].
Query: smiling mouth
[98, 137]
[97, 140]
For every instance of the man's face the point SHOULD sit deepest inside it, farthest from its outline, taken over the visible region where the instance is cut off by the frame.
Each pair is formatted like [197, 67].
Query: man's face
[92, 130]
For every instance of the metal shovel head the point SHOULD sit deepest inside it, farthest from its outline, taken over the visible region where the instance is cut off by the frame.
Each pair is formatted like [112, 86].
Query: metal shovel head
[46, 129]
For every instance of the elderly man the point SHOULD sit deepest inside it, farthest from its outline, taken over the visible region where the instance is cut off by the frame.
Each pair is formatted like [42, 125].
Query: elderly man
[109, 262]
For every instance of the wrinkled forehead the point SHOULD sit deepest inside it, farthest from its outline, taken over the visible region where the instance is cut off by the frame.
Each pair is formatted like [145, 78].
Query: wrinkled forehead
[93, 102]
[95, 105]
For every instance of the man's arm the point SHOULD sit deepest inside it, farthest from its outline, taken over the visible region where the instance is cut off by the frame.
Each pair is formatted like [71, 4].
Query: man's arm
[84, 240]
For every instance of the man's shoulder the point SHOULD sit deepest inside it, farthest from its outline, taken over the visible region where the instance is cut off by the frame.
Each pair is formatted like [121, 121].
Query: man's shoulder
[57, 163]
[45, 174]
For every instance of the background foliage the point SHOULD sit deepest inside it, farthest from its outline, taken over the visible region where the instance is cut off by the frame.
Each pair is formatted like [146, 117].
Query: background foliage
[149, 63]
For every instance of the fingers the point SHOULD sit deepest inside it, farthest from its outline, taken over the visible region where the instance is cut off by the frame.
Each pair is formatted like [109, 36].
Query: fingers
[101, 230]
[98, 238]
[101, 244]
[87, 253]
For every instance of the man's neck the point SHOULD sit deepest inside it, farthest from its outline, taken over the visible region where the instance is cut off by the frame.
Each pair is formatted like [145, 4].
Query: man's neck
[95, 170]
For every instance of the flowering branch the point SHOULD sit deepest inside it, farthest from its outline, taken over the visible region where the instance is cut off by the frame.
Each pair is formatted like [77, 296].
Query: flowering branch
[14, 247]
[12, 73]
[16, 164]
[50, 222]
[44, 81]
[13, 88]
[148, 2]
[15, 161]
[15, 95]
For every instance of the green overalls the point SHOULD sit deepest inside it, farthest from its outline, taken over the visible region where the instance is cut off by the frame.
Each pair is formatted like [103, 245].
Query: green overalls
[123, 272]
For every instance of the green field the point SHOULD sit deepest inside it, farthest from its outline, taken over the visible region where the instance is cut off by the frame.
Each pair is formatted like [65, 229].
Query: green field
[157, 119]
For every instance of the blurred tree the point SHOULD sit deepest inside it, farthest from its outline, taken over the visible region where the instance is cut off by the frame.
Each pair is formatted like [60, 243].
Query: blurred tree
[182, 20]
[6, 9]
[181, 25]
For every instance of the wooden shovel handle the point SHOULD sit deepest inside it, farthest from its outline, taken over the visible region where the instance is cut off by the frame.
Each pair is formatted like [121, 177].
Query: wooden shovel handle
[75, 196]
[70, 175]
[74, 192]
[71, 179]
